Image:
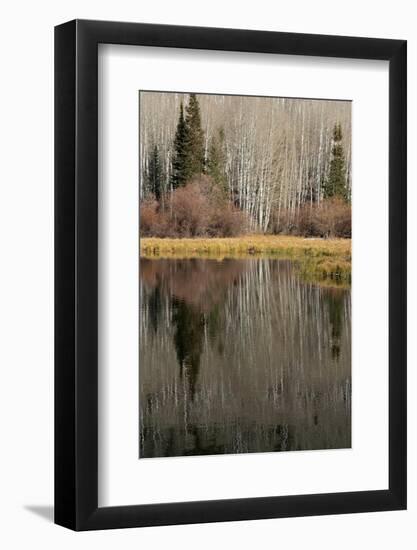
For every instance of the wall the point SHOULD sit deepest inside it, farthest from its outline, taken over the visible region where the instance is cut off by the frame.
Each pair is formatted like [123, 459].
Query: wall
[26, 399]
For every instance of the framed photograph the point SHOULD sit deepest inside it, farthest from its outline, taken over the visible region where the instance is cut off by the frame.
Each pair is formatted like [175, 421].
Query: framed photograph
[230, 255]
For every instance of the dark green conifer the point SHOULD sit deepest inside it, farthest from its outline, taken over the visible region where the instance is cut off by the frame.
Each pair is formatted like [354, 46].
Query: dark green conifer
[179, 157]
[155, 173]
[194, 143]
[335, 184]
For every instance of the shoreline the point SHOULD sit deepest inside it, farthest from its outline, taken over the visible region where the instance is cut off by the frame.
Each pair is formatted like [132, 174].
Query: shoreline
[317, 259]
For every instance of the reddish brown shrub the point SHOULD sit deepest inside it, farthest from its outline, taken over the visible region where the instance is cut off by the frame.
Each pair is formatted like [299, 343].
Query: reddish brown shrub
[227, 221]
[190, 211]
[148, 216]
[330, 218]
[198, 209]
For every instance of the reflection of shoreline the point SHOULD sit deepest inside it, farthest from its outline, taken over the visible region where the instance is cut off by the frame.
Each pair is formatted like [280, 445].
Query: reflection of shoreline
[194, 288]
[195, 281]
[318, 259]
[230, 349]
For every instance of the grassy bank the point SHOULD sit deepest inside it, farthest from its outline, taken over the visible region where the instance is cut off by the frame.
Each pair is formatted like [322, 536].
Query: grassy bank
[317, 259]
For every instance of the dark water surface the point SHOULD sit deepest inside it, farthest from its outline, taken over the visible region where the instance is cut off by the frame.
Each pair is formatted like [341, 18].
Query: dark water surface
[241, 356]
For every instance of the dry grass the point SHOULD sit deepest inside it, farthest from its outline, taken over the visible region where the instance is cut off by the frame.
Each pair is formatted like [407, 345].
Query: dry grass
[317, 258]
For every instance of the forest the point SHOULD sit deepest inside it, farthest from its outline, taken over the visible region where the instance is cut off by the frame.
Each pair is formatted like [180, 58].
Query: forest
[224, 166]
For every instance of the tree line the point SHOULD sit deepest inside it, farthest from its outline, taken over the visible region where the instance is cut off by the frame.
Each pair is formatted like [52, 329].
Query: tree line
[234, 164]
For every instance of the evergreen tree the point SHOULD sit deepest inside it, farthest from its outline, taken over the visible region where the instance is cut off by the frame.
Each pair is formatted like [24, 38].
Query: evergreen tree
[194, 142]
[335, 184]
[180, 146]
[155, 173]
[188, 158]
[216, 163]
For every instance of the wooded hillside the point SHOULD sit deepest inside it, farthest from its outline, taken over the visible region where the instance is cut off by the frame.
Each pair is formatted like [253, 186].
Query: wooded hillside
[275, 165]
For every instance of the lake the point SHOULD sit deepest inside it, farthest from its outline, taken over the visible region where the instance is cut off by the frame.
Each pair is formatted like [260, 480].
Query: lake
[240, 356]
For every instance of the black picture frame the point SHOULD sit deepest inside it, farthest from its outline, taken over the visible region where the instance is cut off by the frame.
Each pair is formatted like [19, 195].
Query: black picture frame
[76, 273]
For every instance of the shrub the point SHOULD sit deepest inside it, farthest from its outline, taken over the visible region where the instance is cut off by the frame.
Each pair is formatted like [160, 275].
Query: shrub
[202, 209]
[148, 216]
[190, 211]
[330, 218]
[198, 209]
[227, 221]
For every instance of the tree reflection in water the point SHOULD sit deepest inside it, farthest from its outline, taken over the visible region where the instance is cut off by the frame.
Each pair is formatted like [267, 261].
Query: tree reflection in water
[241, 356]
[189, 334]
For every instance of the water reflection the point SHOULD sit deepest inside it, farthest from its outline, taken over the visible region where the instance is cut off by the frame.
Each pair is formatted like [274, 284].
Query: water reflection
[241, 356]
[335, 308]
[189, 333]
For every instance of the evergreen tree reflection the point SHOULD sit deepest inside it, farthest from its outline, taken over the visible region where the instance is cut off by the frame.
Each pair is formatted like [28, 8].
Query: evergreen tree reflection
[189, 325]
[334, 301]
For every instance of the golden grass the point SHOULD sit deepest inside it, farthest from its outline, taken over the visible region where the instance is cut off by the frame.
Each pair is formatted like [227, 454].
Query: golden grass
[331, 272]
[316, 258]
[248, 245]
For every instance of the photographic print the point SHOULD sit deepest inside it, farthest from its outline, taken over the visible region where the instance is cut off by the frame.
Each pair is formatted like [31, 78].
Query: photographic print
[244, 275]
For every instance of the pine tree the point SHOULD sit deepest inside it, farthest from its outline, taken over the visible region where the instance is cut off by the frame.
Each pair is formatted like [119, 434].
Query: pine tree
[335, 184]
[216, 163]
[194, 142]
[180, 146]
[155, 173]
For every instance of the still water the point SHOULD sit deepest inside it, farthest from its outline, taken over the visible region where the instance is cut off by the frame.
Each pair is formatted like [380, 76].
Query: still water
[240, 356]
